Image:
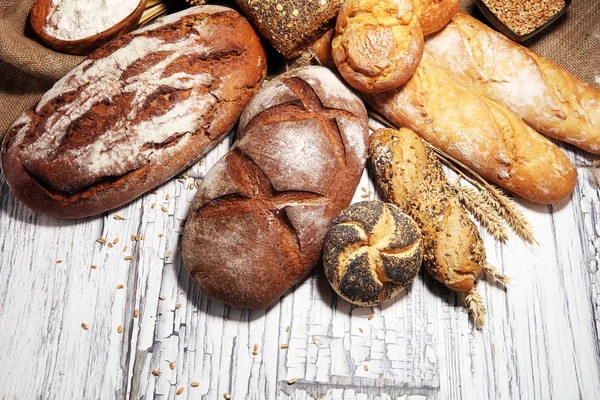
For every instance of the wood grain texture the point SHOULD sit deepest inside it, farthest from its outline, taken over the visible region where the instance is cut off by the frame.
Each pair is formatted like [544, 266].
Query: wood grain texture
[542, 339]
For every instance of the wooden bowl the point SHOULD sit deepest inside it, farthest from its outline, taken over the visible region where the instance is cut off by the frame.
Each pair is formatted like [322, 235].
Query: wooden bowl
[84, 46]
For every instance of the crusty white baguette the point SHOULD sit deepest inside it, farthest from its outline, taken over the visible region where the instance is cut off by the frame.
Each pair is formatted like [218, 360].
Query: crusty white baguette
[545, 95]
[411, 177]
[480, 133]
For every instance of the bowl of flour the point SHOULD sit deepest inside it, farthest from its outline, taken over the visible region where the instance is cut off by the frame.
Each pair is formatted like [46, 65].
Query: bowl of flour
[81, 26]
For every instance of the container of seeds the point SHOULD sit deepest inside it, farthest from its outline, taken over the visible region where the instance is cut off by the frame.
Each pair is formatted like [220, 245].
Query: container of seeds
[520, 20]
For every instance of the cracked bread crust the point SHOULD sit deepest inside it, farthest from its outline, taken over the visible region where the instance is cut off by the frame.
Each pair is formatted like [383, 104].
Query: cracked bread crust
[134, 113]
[259, 219]
[377, 44]
[372, 252]
[412, 178]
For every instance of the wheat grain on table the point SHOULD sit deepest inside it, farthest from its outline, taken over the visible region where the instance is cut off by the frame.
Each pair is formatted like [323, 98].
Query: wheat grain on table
[119, 317]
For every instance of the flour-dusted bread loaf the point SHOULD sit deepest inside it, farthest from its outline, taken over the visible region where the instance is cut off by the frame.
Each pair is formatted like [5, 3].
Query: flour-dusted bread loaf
[412, 178]
[433, 15]
[377, 44]
[479, 132]
[546, 96]
[372, 252]
[134, 113]
[259, 219]
[291, 26]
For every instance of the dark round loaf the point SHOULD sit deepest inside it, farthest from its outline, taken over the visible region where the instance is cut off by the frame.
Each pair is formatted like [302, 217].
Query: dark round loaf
[372, 252]
[259, 219]
[134, 113]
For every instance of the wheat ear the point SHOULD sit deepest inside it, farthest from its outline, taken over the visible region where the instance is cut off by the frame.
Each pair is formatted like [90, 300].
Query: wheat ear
[476, 306]
[497, 275]
[477, 205]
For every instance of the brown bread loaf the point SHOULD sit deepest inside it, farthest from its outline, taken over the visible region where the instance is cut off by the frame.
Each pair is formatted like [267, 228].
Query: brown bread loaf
[433, 15]
[377, 44]
[136, 112]
[480, 133]
[259, 219]
[372, 252]
[291, 26]
[412, 178]
[546, 96]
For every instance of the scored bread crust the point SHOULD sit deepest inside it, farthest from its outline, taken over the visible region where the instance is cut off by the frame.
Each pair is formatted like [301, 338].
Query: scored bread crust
[136, 112]
[545, 95]
[372, 252]
[412, 178]
[433, 15]
[377, 44]
[259, 219]
[480, 133]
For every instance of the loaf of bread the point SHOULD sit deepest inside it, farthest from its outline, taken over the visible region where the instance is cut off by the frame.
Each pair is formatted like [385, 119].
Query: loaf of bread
[377, 44]
[136, 112]
[321, 49]
[433, 15]
[291, 26]
[543, 94]
[372, 252]
[480, 133]
[259, 219]
[411, 177]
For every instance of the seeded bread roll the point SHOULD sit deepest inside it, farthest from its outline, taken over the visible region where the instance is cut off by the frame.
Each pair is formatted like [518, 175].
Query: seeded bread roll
[372, 252]
[259, 219]
[291, 26]
[411, 177]
[134, 113]
[377, 44]
[433, 15]
[480, 133]
[548, 97]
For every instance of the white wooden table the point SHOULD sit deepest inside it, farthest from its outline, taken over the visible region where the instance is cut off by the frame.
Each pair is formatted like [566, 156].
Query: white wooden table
[542, 339]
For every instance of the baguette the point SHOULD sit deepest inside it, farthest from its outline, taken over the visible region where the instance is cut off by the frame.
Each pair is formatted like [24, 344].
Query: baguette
[543, 94]
[377, 44]
[480, 133]
[411, 177]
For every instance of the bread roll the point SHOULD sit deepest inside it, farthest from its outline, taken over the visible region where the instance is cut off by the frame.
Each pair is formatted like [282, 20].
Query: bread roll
[433, 15]
[321, 49]
[259, 219]
[372, 252]
[543, 94]
[411, 177]
[377, 44]
[134, 113]
[480, 133]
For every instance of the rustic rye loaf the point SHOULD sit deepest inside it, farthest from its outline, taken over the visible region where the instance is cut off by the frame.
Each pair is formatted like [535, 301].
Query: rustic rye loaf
[134, 113]
[259, 219]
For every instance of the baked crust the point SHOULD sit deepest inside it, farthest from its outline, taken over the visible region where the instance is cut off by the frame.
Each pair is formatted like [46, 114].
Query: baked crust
[136, 112]
[377, 44]
[433, 15]
[259, 219]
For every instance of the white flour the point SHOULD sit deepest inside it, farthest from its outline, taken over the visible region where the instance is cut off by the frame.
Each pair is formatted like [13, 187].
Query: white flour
[78, 19]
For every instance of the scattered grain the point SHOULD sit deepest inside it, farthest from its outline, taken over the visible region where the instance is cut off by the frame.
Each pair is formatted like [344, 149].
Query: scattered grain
[120, 286]
[366, 367]
[179, 391]
[119, 218]
[161, 297]
[177, 306]
[116, 240]
[153, 206]
[127, 258]
[155, 372]
[167, 196]
[58, 261]
[285, 346]
[194, 384]
[288, 328]
[361, 330]
[94, 266]
[164, 209]
[119, 329]
[370, 317]
[255, 352]
[136, 313]
[101, 240]
[226, 396]
[291, 381]
[316, 341]
[110, 245]
[172, 365]
[84, 326]
[124, 249]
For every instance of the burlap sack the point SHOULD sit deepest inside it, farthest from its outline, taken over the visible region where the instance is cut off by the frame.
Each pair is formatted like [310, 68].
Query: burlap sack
[28, 68]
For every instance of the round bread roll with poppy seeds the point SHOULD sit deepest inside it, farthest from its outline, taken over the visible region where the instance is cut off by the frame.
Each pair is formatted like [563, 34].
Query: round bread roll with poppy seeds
[372, 252]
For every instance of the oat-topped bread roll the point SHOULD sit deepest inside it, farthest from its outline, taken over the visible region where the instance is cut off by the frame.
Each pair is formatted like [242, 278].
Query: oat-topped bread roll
[259, 219]
[134, 113]
[412, 178]
[545, 95]
[433, 15]
[480, 133]
[293, 25]
[377, 44]
[372, 252]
